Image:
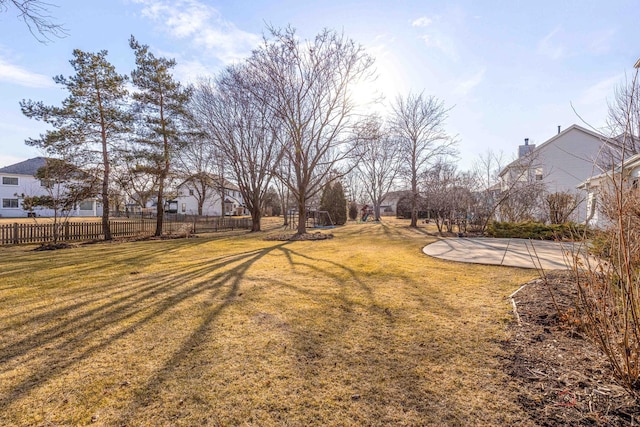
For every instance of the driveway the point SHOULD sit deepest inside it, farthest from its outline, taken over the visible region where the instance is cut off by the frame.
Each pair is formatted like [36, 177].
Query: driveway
[510, 252]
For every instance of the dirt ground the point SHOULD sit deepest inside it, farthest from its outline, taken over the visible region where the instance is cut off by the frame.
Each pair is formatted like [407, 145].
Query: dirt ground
[562, 377]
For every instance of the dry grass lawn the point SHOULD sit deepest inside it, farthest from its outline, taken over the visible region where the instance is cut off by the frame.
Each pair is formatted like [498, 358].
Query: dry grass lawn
[362, 329]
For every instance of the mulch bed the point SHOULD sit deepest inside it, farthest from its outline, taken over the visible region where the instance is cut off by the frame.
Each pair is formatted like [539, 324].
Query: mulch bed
[561, 376]
[297, 237]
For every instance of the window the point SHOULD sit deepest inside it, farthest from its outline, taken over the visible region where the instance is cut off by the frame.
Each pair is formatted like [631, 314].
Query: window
[191, 192]
[184, 207]
[9, 180]
[10, 203]
[86, 205]
[47, 183]
[538, 174]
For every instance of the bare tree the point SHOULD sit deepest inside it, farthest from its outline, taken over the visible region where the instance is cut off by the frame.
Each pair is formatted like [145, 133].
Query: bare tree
[487, 187]
[306, 86]
[624, 121]
[284, 171]
[515, 193]
[35, 13]
[448, 196]
[139, 187]
[378, 160]
[66, 186]
[561, 206]
[418, 125]
[198, 165]
[522, 191]
[608, 283]
[243, 131]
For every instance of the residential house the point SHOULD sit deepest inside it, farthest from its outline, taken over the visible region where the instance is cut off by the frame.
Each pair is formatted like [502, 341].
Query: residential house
[19, 179]
[188, 195]
[559, 164]
[389, 205]
[624, 178]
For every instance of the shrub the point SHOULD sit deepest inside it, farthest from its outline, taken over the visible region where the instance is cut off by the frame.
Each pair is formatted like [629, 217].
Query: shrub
[536, 230]
[353, 211]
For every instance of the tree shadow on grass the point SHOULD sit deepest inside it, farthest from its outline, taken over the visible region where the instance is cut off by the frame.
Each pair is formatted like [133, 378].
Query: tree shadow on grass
[130, 310]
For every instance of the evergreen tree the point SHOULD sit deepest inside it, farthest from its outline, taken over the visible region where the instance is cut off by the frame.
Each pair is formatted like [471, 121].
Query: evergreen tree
[160, 107]
[353, 211]
[334, 201]
[90, 123]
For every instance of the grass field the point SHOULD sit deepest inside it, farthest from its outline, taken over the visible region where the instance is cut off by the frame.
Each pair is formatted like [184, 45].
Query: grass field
[231, 329]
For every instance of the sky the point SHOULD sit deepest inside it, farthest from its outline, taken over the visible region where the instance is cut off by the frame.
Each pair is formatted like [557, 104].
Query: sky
[508, 70]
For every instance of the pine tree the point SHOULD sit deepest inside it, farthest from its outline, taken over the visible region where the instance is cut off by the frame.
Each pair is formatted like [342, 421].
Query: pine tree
[160, 107]
[91, 122]
[334, 201]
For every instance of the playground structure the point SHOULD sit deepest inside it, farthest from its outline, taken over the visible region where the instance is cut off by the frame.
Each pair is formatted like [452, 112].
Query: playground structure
[366, 213]
[314, 219]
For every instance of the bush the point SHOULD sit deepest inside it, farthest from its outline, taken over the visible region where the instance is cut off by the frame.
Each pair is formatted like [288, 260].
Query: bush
[536, 230]
[353, 211]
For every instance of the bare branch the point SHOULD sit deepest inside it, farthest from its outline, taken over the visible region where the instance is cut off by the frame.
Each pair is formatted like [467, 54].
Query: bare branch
[36, 15]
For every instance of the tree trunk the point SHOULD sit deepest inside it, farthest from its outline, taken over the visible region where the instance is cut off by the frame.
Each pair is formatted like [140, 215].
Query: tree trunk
[106, 228]
[302, 217]
[414, 211]
[414, 200]
[376, 211]
[160, 209]
[256, 215]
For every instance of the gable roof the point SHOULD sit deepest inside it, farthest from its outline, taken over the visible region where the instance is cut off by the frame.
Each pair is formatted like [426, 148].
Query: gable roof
[228, 185]
[630, 163]
[551, 141]
[27, 167]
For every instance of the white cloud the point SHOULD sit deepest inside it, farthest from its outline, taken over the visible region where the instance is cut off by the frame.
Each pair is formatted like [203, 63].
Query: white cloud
[465, 86]
[203, 24]
[15, 74]
[442, 42]
[601, 41]
[598, 93]
[550, 47]
[423, 21]
[189, 71]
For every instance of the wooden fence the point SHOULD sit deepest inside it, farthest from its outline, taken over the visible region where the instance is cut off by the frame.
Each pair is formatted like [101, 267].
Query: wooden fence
[14, 234]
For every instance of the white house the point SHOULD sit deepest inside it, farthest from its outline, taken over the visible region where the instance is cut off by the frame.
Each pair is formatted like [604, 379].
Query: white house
[561, 163]
[624, 179]
[19, 179]
[212, 204]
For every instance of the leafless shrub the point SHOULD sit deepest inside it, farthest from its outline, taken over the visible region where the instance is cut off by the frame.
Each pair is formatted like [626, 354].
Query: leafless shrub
[609, 285]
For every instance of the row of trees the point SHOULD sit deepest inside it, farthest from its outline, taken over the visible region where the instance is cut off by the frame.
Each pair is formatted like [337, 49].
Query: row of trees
[100, 123]
[284, 121]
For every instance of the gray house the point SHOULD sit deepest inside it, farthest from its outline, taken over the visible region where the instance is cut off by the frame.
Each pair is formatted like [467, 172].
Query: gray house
[559, 164]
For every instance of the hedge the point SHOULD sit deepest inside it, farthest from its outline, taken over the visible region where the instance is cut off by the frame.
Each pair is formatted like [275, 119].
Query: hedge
[537, 230]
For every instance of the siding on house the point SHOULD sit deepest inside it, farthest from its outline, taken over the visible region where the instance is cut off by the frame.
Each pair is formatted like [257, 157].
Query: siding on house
[599, 187]
[212, 206]
[19, 179]
[562, 163]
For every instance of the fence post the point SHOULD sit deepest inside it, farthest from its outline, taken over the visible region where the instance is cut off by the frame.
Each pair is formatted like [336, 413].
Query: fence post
[15, 233]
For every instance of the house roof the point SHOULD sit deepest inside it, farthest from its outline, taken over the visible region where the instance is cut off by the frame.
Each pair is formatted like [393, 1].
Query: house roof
[551, 141]
[228, 185]
[629, 163]
[27, 167]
